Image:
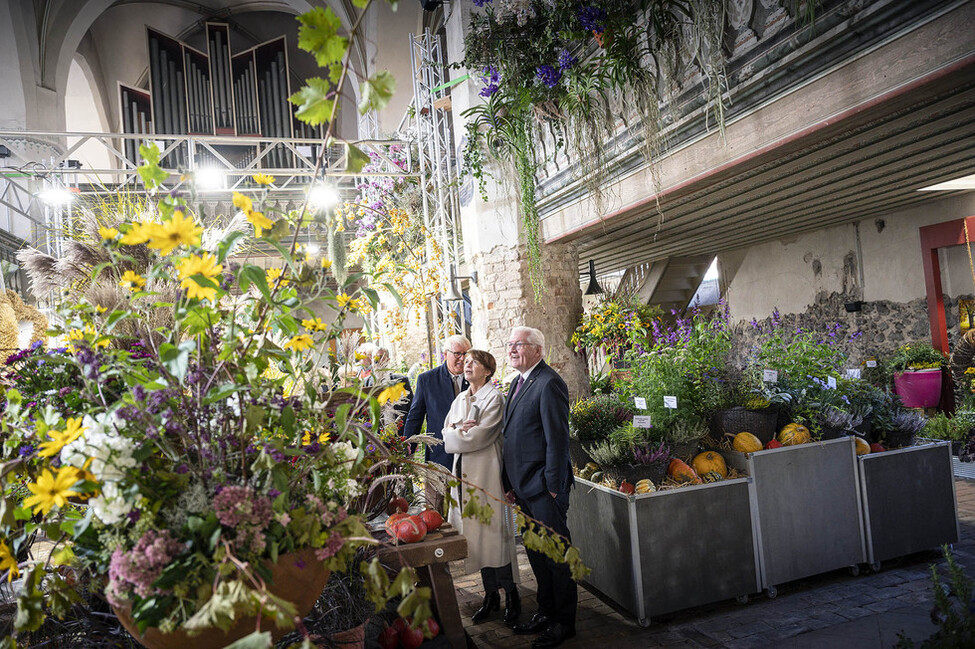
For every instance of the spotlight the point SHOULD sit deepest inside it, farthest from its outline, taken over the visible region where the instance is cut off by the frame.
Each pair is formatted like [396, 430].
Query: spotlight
[55, 196]
[313, 248]
[323, 197]
[210, 178]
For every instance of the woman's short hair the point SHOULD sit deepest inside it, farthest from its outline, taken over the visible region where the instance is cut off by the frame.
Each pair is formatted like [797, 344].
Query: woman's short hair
[485, 359]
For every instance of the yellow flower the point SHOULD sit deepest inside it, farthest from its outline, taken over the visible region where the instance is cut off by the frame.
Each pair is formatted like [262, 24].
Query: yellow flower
[107, 233]
[322, 439]
[100, 309]
[243, 203]
[326, 263]
[8, 562]
[51, 490]
[60, 439]
[393, 393]
[314, 325]
[195, 265]
[273, 274]
[138, 233]
[344, 300]
[132, 280]
[259, 221]
[176, 231]
[263, 179]
[300, 343]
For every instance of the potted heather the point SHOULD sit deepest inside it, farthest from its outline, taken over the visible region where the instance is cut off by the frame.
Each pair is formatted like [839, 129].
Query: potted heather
[591, 421]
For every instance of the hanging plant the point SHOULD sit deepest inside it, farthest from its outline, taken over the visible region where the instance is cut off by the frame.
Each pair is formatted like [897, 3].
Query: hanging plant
[573, 67]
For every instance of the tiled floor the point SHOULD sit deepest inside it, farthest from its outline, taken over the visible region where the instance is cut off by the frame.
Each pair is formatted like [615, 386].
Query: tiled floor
[836, 610]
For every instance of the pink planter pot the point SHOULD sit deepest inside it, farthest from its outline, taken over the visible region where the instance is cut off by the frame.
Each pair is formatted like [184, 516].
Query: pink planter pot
[918, 388]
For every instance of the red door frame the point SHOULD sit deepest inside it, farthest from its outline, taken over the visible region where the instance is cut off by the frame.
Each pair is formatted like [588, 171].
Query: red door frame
[933, 237]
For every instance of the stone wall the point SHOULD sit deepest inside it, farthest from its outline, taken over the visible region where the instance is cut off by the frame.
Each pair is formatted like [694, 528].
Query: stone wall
[503, 298]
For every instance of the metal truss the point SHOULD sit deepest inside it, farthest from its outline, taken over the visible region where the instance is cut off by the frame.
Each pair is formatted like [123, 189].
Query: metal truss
[441, 205]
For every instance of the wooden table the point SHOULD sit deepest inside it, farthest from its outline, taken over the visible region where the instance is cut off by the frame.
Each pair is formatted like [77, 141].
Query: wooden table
[429, 558]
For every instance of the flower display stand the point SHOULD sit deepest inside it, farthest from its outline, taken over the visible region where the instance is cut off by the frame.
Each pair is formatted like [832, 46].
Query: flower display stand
[808, 510]
[669, 550]
[909, 501]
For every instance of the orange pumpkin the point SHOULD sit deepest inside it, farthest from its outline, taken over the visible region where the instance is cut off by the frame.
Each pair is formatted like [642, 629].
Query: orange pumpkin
[793, 434]
[746, 443]
[862, 447]
[708, 462]
[681, 472]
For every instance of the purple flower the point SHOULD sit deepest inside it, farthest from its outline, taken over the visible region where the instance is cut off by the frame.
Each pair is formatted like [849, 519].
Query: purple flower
[592, 18]
[491, 77]
[481, 3]
[566, 60]
[548, 75]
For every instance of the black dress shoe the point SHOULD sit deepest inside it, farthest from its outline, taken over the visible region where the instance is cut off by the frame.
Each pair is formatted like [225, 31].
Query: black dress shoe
[492, 602]
[553, 636]
[537, 624]
[512, 607]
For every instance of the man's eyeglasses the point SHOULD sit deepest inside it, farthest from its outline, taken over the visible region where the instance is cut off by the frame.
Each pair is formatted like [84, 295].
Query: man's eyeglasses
[518, 345]
[453, 353]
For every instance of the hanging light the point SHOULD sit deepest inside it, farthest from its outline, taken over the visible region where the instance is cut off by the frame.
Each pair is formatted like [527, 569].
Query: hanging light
[453, 292]
[593, 288]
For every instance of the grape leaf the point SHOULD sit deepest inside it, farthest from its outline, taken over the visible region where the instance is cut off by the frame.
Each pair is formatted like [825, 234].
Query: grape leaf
[314, 105]
[318, 35]
[376, 91]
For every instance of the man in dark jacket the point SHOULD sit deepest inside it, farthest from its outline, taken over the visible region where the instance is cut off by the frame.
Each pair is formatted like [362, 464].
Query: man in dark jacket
[435, 391]
[538, 474]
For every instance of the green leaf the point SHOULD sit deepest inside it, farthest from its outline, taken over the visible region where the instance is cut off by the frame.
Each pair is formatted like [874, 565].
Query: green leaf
[356, 159]
[376, 91]
[396, 296]
[318, 35]
[226, 246]
[314, 105]
[361, 4]
[150, 172]
[251, 274]
[335, 73]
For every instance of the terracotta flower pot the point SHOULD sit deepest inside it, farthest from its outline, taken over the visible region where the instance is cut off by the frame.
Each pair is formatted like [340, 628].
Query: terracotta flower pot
[918, 388]
[298, 578]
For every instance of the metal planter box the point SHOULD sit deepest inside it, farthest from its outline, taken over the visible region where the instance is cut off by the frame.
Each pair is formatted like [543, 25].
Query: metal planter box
[808, 511]
[662, 552]
[909, 501]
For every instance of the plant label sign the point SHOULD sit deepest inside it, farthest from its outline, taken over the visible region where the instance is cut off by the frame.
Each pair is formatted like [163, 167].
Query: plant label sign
[770, 376]
[831, 382]
[640, 403]
[853, 373]
[670, 402]
[871, 363]
[641, 421]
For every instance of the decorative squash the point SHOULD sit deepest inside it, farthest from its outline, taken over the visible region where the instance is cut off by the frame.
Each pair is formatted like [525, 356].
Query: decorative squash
[712, 476]
[708, 462]
[862, 447]
[645, 486]
[794, 434]
[679, 471]
[746, 443]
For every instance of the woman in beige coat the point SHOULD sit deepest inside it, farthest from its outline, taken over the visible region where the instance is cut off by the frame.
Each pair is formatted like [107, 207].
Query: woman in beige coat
[472, 431]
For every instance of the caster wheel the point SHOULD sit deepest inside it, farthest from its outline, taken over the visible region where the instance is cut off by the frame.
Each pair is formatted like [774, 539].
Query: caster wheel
[771, 591]
[854, 570]
[644, 622]
[875, 567]
[742, 599]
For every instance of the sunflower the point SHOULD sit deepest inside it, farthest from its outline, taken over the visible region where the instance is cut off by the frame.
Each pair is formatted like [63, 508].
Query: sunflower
[243, 203]
[273, 274]
[138, 233]
[259, 221]
[132, 280]
[51, 490]
[263, 179]
[322, 439]
[314, 325]
[107, 233]
[61, 438]
[300, 343]
[179, 230]
[8, 562]
[393, 393]
[196, 265]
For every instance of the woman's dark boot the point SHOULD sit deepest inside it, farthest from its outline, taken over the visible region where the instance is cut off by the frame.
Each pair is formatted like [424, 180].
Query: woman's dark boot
[492, 602]
[512, 606]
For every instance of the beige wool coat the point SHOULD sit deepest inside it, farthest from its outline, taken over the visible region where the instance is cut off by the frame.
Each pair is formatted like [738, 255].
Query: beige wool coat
[478, 454]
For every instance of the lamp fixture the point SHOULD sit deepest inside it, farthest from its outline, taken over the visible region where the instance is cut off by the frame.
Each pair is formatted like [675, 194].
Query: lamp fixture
[453, 293]
[55, 196]
[965, 182]
[210, 178]
[594, 288]
[323, 197]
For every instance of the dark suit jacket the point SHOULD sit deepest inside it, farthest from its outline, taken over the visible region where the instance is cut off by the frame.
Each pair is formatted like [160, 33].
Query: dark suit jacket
[432, 398]
[536, 436]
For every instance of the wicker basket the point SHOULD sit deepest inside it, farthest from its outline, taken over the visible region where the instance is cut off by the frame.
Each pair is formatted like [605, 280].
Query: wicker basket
[731, 421]
[898, 439]
[828, 432]
[685, 451]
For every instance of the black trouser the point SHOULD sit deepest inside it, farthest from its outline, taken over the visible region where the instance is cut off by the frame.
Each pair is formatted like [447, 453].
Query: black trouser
[557, 595]
[495, 578]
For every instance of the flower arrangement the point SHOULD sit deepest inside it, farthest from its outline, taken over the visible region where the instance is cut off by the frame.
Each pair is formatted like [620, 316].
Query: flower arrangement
[798, 355]
[614, 325]
[916, 356]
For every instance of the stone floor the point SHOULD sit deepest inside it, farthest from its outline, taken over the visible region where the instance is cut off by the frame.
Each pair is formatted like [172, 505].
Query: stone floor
[835, 610]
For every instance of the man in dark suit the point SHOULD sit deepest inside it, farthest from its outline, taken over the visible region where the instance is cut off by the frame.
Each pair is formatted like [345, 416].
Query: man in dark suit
[538, 474]
[435, 391]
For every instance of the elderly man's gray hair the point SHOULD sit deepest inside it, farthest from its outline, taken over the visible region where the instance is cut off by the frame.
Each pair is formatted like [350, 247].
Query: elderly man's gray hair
[459, 340]
[535, 336]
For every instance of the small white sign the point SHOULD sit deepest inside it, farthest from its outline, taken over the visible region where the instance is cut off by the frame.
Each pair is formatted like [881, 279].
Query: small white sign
[871, 363]
[831, 382]
[641, 421]
[853, 373]
[770, 376]
[670, 402]
[640, 403]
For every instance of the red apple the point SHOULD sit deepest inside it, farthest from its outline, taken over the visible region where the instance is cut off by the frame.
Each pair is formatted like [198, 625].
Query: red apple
[877, 448]
[411, 529]
[433, 629]
[400, 625]
[389, 638]
[397, 504]
[411, 638]
[432, 518]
